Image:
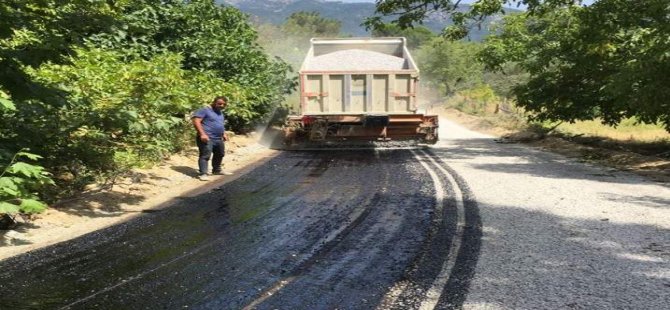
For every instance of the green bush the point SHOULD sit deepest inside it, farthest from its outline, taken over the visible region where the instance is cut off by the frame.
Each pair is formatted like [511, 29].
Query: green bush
[99, 87]
[19, 183]
[115, 107]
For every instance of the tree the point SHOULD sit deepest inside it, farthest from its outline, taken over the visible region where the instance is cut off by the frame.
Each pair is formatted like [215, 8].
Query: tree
[306, 24]
[99, 86]
[33, 32]
[607, 61]
[210, 37]
[416, 36]
[504, 80]
[408, 13]
[450, 65]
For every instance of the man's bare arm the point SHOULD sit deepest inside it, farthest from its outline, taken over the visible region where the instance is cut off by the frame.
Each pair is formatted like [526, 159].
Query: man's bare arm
[197, 122]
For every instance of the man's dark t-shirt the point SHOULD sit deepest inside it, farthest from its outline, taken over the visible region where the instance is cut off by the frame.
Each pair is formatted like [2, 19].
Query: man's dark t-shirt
[212, 122]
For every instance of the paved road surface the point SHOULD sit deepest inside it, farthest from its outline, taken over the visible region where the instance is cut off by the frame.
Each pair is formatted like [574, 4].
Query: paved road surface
[469, 223]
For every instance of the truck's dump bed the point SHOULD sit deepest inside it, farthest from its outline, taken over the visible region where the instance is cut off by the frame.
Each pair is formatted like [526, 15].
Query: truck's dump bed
[355, 60]
[359, 89]
[358, 76]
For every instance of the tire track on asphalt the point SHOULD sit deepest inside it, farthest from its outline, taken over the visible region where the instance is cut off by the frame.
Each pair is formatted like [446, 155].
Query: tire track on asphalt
[409, 291]
[455, 291]
[435, 291]
[454, 241]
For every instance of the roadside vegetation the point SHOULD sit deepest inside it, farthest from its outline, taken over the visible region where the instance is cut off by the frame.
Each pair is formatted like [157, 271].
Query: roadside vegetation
[559, 61]
[91, 89]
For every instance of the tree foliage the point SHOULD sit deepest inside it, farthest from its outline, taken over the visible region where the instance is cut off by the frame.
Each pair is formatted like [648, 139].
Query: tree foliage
[305, 24]
[452, 66]
[408, 13]
[607, 61]
[19, 181]
[416, 36]
[210, 38]
[33, 32]
[135, 107]
[96, 86]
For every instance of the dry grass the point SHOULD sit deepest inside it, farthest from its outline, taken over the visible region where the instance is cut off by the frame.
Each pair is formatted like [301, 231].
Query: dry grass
[507, 116]
[641, 149]
[628, 130]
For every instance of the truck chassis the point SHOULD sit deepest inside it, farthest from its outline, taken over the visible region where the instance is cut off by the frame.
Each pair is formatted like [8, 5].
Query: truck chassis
[356, 128]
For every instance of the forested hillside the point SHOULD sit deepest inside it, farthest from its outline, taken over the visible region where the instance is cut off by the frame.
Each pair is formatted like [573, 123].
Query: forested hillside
[351, 15]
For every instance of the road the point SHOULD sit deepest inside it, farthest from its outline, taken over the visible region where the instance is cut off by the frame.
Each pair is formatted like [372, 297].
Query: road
[469, 223]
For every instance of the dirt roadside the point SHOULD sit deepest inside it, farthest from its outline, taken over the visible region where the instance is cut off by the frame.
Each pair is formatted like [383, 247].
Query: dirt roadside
[144, 191]
[655, 168]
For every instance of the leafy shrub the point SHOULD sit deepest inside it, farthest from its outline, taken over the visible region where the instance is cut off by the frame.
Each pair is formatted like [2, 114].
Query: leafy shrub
[19, 181]
[99, 87]
[211, 38]
[477, 100]
[120, 110]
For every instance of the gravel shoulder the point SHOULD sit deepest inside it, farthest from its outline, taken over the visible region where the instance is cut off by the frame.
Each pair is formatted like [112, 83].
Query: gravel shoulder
[559, 233]
[144, 191]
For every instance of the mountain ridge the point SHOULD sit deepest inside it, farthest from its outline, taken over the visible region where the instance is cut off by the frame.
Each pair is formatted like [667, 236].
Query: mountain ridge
[351, 15]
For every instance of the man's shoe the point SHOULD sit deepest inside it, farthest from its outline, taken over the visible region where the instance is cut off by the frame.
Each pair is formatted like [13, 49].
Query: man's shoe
[222, 172]
[203, 177]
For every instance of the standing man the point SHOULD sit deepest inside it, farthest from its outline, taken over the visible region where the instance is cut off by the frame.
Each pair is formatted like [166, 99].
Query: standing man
[211, 135]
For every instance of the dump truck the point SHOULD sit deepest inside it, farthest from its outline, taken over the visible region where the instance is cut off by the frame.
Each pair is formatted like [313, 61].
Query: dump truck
[359, 91]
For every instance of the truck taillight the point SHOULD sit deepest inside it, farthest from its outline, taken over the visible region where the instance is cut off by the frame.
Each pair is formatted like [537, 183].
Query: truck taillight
[307, 120]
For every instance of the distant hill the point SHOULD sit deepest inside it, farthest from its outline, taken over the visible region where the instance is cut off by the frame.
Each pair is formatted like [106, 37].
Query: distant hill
[350, 14]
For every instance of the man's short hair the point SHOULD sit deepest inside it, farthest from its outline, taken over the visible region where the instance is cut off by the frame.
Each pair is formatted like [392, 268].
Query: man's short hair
[224, 98]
